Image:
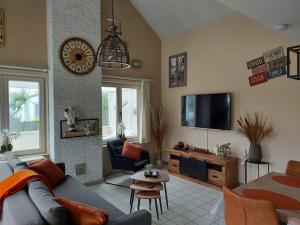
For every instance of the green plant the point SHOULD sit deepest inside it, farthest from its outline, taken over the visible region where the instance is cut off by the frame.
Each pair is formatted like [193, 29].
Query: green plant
[255, 127]
[148, 167]
[17, 100]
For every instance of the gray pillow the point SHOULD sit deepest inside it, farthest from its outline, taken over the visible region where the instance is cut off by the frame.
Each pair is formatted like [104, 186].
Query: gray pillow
[20, 166]
[50, 209]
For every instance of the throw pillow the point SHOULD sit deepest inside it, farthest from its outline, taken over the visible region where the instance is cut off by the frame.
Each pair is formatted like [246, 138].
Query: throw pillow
[49, 208]
[132, 151]
[81, 214]
[48, 169]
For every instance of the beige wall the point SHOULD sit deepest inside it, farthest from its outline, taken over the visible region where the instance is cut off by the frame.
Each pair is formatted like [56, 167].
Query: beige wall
[143, 44]
[26, 36]
[217, 56]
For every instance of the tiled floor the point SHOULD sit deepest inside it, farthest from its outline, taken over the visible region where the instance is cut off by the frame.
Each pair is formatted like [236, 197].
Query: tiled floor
[189, 203]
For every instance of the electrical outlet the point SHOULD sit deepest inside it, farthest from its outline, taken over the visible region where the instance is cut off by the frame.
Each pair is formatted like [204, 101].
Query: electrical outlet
[80, 169]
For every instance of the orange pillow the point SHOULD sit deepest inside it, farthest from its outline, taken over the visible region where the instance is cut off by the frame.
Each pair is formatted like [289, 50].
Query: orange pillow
[83, 214]
[49, 170]
[132, 151]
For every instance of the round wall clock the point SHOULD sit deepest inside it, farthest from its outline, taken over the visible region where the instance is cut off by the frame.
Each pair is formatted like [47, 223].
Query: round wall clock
[77, 56]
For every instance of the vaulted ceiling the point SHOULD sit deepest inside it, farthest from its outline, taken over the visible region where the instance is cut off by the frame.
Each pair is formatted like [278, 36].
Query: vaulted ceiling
[168, 17]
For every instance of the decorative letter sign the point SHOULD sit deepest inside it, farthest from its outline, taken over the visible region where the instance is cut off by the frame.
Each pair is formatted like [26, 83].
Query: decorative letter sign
[277, 73]
[258, 79]
[255, 62]
[273, 54]
[2, 34]
[271, 65]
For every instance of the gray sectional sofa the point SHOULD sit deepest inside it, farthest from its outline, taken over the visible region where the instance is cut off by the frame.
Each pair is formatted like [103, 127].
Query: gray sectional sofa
[18, 209]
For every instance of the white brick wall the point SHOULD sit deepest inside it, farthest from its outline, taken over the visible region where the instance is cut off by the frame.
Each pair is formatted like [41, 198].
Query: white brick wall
[73, 18]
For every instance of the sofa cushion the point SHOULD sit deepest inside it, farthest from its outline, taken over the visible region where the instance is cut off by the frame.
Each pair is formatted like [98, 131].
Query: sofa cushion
[132, 151]
[20, 166]
[13, 162]
[75, 191]
[83, 214]
[48, 169]
[50, 209]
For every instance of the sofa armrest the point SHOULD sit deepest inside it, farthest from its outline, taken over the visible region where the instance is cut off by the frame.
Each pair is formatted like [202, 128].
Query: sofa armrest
[145, 155]
[293, 221]
[62, 166]
[141, 217]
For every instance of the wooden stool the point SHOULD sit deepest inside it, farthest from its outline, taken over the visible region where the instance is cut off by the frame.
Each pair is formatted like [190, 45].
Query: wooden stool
[149, 195]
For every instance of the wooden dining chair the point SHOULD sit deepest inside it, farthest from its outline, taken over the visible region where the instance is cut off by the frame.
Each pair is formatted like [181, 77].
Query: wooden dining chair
[244, 211]
[293, 168]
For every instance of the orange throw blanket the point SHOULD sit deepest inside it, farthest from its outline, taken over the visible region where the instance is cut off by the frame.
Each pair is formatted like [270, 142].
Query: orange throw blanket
[17, 182]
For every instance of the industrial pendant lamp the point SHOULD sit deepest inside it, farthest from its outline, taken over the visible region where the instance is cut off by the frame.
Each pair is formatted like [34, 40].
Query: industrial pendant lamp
[112, 52]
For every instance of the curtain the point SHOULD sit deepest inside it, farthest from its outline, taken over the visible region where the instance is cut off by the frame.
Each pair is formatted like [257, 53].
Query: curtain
[145, 105]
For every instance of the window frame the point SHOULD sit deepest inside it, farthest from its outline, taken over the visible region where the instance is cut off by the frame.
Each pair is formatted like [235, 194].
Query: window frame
[119, 86]
[31, 76]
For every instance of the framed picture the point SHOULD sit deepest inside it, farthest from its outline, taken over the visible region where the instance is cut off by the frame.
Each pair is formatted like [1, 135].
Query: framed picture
[178, 70]
[2, 28]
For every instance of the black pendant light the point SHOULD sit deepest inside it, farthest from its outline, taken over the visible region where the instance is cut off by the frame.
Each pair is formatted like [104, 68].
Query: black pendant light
[112, 52]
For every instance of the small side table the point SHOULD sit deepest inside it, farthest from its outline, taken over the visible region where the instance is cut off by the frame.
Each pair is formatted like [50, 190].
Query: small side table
[258, 164]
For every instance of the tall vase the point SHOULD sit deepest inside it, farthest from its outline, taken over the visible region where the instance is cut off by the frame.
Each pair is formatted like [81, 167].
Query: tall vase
[255, 153]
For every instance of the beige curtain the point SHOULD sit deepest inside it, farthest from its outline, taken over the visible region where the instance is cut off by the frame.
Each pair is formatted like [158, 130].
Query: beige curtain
[145, 133]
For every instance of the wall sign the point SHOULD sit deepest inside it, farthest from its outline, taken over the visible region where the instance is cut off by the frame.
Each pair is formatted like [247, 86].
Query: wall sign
[277, 63]
[258, 79]
[274, 54]
[259, 69]
[271, 65]
[2, 28]
[276, 73]
[255, 62]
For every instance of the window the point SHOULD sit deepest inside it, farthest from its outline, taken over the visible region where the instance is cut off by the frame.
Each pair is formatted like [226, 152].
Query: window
[120, 104]
[23, 112]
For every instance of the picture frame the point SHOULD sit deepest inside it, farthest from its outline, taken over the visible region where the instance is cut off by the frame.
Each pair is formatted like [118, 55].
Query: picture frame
[178, 70]
[2, 28]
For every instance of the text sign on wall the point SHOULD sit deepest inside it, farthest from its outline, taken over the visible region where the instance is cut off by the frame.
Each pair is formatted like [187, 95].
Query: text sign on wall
[258, 79]
[260, 69]
[274, 54]
[276, 73]
[255, 62]
[278, 63]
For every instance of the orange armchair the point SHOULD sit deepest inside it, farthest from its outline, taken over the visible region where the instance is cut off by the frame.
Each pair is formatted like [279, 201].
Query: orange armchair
[293, 168]
[244, 211]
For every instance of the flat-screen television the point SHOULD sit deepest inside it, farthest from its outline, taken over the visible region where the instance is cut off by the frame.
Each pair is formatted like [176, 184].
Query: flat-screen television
[211, 111]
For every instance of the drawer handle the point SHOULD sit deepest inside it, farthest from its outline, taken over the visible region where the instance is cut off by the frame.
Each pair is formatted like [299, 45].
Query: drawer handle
[214, 176]
[175, 165]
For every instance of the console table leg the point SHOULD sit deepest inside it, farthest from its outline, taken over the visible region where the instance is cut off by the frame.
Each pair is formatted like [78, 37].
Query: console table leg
[160, 206]
[139, 202]
[156, 209]
[166, 194]
[150, 204]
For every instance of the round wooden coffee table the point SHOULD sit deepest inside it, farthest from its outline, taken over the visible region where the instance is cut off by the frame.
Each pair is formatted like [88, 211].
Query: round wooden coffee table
[139, 177]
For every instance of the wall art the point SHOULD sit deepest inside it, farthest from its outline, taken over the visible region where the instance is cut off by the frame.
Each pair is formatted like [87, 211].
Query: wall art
[178, 70]
[2, 29]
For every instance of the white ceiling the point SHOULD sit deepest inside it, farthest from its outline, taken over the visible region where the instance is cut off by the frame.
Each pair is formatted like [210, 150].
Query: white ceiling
[271, 13]
[168, 17]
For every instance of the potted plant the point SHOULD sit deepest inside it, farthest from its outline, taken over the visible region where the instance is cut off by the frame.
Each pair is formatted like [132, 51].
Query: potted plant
[121, 131]
[158, 130]
[255, 128]
[6, 142]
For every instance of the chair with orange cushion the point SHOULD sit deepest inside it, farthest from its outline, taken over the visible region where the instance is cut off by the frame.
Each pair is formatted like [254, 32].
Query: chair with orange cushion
[293, 168]
[244, 211]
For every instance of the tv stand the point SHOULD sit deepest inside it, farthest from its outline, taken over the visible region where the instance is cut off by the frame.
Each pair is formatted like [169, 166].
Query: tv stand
[220, 171]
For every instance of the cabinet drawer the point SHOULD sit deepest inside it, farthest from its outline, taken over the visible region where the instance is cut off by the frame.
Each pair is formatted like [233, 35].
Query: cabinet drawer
[215, 177]
[173, 166]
